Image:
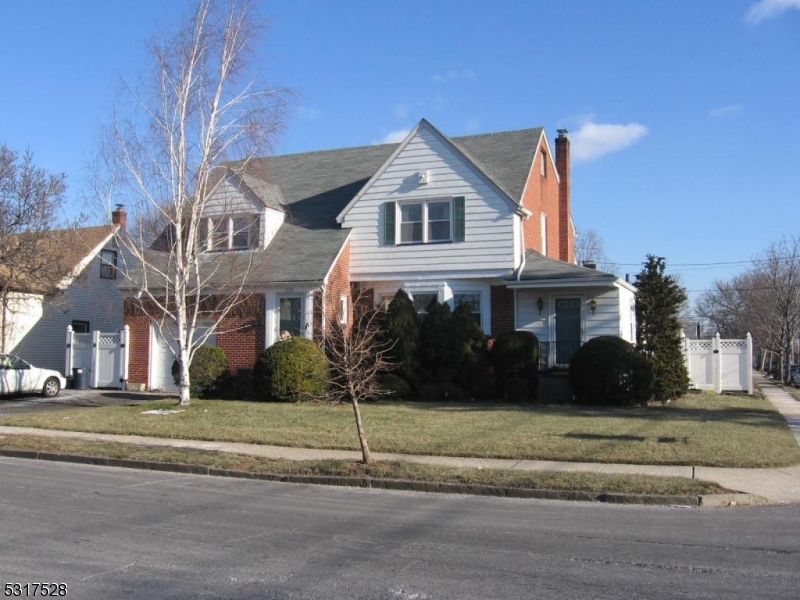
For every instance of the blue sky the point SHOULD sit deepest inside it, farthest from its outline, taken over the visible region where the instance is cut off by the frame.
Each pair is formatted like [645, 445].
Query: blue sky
[684, 115]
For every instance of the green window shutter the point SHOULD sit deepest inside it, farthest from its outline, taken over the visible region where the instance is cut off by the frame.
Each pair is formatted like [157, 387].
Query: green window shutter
[388, 223]
[459, 225]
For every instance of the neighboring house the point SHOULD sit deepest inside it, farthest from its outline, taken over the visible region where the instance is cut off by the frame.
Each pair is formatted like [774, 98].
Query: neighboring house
[34, 321]
[482, 219]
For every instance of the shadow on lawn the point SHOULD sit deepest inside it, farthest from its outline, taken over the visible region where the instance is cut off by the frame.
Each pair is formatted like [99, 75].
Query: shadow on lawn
[753, 417]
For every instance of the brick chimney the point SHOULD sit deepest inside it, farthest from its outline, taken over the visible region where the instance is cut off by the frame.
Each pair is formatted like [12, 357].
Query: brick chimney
[119, 216]
[566, 242]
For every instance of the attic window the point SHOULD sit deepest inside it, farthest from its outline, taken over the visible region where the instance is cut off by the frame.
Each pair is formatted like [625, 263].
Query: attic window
[424, 222]
[108, 264]
[237, 232]
[544, 163]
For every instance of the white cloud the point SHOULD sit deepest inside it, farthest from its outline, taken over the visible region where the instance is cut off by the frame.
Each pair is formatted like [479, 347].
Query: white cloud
[768, 9]
[594, 140]
[454, 75]
[309, 113]
[401, 110]
[393, 137]
[726, 111]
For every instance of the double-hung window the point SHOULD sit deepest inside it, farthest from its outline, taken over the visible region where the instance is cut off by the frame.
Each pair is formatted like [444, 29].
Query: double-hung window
[426, 222]
[473, 301]
[238, 232]
[108, 264]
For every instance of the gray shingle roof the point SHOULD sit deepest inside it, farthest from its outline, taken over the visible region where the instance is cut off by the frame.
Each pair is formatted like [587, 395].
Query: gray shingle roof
[543, 268]
[314, 187]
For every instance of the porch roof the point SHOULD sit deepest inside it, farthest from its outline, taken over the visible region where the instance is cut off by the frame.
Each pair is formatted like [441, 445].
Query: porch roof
[541, 271]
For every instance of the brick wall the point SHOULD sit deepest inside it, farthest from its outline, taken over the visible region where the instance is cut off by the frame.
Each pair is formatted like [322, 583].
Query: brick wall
[139, 343]
[339, 285]
[502, 310]
[544, 194]
[241, 335]
[566, 248]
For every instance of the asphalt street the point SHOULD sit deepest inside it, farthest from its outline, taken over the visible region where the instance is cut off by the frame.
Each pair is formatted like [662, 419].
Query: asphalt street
[114, 533]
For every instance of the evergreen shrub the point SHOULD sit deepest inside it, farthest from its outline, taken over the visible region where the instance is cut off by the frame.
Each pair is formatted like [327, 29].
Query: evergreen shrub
[609, 371]
[207, 373]
[291, 370]
[515, 356]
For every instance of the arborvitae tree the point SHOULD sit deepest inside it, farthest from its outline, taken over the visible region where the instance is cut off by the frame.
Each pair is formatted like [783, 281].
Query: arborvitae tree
[658, 304]
[439, 355]
[402, 330]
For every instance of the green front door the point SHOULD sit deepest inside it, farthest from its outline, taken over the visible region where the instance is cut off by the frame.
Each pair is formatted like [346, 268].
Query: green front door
[568, 329]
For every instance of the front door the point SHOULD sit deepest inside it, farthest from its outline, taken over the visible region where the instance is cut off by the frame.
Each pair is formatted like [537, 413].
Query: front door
[568, 329]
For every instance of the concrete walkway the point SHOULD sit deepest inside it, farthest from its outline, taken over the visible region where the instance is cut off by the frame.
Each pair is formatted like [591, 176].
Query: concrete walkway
[779, 485]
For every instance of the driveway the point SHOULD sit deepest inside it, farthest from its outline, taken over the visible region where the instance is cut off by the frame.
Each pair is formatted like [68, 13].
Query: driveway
[20, 403]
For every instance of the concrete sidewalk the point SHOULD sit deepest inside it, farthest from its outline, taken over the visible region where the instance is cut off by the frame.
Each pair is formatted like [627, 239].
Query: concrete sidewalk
[779, 485]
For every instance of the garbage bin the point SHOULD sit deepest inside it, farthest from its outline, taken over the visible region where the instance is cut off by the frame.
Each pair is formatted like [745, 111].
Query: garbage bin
[79, 381]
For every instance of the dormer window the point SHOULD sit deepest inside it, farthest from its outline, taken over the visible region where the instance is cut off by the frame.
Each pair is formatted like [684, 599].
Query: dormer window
[236, 232]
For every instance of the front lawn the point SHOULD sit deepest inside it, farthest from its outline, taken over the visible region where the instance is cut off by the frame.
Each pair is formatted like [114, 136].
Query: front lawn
[700, 429]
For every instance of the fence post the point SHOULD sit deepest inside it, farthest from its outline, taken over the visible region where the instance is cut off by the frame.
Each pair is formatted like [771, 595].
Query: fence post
[68, 360]
[687, 363]
[124, 339]
[716, 357]
[95, 359]
[749, 364]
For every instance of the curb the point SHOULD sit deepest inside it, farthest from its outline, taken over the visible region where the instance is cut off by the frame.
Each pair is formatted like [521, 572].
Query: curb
[715, 500]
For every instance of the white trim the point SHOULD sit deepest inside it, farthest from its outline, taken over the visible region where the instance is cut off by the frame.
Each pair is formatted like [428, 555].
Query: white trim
[424, 202]
[343, 308]
[565, 283]
[495, 275]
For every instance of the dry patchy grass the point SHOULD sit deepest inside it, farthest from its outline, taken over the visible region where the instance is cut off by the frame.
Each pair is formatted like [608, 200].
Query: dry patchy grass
[700, 429]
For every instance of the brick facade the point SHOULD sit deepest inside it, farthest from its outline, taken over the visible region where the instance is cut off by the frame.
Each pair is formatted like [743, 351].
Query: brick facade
[545, 195]
[139, 342]
[338, 286]
[241, 335]
[502, 310]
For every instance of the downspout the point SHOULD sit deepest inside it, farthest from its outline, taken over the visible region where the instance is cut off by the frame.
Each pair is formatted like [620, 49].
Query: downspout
[522, 249]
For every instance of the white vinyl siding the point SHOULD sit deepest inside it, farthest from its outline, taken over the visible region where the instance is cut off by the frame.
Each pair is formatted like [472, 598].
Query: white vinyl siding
[606, 319]
[40, 332]
[489, 218]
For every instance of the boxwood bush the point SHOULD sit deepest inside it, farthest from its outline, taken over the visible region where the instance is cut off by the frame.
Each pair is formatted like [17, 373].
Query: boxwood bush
[207, 373]
[291, 370]
[607, 370]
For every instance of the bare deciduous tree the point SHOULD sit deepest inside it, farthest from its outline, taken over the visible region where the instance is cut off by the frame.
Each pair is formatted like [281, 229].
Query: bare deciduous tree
[764, 300]
[31, 252]
[358, 354]
[202, 105]
[591, 247]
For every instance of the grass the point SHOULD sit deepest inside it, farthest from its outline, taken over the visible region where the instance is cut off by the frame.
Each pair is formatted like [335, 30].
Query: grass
[588, 482]
[700, 429]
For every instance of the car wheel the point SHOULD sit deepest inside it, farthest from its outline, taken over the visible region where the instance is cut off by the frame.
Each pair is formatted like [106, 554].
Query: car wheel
[51, 387]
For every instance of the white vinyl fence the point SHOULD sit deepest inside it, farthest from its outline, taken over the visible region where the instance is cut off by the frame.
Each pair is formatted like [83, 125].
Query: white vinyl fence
[720, 365]
[104, 355]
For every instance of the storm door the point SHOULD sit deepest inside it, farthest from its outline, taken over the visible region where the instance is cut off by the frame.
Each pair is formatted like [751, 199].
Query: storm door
[568, 329]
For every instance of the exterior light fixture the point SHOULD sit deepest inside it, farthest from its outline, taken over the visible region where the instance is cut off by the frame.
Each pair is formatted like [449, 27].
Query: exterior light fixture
[540, 305]
[592, 305]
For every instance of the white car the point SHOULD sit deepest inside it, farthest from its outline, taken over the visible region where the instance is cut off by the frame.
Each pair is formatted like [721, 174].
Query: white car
[18, 376]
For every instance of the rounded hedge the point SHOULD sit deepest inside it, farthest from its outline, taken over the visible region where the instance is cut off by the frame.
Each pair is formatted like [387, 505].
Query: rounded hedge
[291, 370]
[207, 373]
[515, 354]
[609, 371]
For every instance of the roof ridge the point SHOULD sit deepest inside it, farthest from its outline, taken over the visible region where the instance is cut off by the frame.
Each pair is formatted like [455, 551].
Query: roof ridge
[489, 133]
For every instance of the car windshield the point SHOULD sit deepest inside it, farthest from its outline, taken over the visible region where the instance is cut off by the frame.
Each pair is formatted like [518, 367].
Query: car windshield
[9, 361]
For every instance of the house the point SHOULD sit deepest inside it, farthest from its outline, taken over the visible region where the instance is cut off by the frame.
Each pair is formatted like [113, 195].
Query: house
[35, 314]
[479, 219]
